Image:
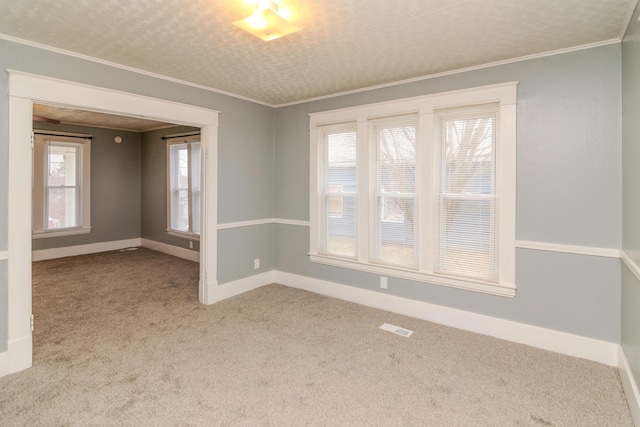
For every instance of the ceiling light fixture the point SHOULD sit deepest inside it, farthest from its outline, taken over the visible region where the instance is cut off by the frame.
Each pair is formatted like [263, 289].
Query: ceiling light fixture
[265, 22]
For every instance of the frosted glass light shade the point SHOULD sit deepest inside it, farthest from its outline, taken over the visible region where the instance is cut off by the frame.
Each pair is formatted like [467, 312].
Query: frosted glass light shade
[267, 25]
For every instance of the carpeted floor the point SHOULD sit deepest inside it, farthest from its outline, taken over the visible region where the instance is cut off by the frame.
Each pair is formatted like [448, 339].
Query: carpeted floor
[121, 339]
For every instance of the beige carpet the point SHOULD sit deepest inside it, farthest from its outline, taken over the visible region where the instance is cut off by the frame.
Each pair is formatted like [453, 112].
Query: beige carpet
[121, 339]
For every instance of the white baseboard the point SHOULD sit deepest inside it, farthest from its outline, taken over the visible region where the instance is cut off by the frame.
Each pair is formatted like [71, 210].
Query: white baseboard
[247, 284]
[18, 356]
[4, 364]
[92, 248]
[547, 339]
[630, 386]
[176, 251]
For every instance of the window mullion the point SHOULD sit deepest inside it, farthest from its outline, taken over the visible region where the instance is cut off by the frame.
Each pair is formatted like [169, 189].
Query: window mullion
[189, 196]
[425, 191]
[364, 191]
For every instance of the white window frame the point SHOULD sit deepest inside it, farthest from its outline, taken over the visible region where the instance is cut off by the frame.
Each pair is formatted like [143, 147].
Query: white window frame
[188, 141]
[424, 106]
[40, 143]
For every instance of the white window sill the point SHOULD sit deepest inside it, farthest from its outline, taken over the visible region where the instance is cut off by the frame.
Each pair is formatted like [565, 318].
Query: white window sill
[60, 233]
[500, 289]
[184, 235]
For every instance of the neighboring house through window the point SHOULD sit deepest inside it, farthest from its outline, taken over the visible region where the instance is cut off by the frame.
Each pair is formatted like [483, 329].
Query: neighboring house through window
[183, 166]
[61, 184]
[425, 187]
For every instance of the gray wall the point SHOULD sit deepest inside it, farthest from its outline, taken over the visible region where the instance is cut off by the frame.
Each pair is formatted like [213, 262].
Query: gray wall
[631, 194]
[153, 202]
[568, 191]
[245, 150]
[115, 187]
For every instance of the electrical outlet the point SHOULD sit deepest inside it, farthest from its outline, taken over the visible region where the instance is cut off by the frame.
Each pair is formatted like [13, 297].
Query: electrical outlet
[190, 244]
[256, 263]
[383, 282]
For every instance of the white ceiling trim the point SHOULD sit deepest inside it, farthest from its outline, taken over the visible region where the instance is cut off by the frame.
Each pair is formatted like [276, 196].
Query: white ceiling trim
[127, 68]
[459, 70]
[627, 20]
[334, 95]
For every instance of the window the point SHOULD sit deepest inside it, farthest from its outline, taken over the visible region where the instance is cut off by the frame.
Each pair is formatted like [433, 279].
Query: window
[183, 210]
[424, 188]
[61, 184]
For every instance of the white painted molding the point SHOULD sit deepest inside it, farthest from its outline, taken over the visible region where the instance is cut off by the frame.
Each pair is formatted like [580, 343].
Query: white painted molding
[176, 251]
[569, 249]
[629, 385]
[239, 224]
[547, 339]
[92, 248]
[237, 287]
[284, 221]
[292, 222]
[18, 356]
[4, 364]
[4, 256]
[630, 263]
[127, 68]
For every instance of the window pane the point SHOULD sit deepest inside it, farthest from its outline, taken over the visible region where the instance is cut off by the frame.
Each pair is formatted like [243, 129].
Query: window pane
[467, 245]
[62, 164]
[394, 141]
[61, 208]
[339, 190]
[467, 226]
[180, 210]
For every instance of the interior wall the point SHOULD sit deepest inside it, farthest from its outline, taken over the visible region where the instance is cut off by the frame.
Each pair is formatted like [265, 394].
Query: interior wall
[630, 328]
[568, 191]
[115, 187]
[153, 172]
[245, 172]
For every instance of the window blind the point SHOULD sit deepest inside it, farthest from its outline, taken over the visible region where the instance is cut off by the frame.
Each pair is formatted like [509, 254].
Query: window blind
[466, 195]
[393, 140]
[339, 189]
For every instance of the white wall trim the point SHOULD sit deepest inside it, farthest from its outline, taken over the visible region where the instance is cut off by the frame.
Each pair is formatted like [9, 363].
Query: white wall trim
[569, 249]
[240, 286]
[631, 264]
[176, 251]
[457, 71]
[4, 255]
[4, 364]
[250, 223]
[296, 222]
[127, 68]
[629, 384]
[91, 248]
[547, 339]
[18, 356]
[263, 221]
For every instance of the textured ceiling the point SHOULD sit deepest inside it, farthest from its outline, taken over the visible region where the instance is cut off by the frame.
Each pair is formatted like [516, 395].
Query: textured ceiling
[90, 118]
[344, 45]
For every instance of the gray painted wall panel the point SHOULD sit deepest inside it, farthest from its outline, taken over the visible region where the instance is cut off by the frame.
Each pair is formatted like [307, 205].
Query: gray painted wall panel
[238, 247]
[245, 140]
[568, 191]
[245, 187]
[115, 187]
[630, 328]
[565, 292]
[153, 201]
[568, 175]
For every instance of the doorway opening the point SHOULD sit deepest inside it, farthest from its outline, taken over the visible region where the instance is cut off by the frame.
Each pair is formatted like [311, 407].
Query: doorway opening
[25, 90]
